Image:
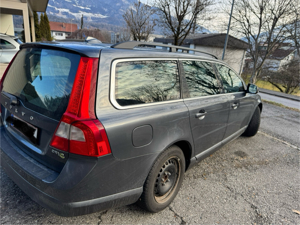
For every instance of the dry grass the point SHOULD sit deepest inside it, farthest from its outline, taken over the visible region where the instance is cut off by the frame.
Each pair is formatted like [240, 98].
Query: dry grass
[266, 85]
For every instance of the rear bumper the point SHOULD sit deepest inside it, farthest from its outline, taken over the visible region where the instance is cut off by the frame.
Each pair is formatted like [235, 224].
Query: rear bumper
[76, 190]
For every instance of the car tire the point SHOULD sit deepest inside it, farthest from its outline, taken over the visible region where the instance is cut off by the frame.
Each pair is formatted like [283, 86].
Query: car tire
[164, 180]
[254, 124]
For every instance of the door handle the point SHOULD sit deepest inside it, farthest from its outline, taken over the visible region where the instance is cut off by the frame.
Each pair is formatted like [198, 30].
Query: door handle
[234, 105]
[201, 115]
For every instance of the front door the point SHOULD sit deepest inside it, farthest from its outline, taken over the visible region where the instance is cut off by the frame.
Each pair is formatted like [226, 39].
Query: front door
[207, 107]
[241, 105]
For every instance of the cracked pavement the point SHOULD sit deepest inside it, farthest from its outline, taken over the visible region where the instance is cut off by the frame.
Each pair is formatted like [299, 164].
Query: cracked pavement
[248, 181]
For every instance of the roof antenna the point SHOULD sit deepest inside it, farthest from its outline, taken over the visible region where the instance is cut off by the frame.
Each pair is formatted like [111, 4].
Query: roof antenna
[7, 29]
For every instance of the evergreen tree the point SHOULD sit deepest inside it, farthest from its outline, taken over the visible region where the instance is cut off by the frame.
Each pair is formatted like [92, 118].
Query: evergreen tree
[42, 28]
[47, 28]
[81, 22]
[37, 27]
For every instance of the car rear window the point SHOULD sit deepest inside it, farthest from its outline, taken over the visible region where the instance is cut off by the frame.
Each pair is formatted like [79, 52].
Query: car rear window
[140, 82]
[42, 79]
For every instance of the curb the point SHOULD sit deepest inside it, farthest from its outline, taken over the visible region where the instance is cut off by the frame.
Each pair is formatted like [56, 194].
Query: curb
[279, 94]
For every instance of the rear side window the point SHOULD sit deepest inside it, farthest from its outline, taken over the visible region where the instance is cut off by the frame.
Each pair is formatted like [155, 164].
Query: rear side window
[6, 44]
[201, 79]
[231, 81]
[140, 82]
[42, 79]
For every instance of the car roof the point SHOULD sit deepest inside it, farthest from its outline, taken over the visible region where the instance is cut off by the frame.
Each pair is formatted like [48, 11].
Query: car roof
[7, 36]
[93, 50]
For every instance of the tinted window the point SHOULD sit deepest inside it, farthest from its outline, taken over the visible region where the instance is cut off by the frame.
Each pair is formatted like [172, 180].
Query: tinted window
[200, 78]
[231, 81]
[139, 82]
[6, 45]
[43, 80]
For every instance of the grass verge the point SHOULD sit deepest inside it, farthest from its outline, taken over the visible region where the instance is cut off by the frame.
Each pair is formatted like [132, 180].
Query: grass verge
[267, 85]
[281, 105]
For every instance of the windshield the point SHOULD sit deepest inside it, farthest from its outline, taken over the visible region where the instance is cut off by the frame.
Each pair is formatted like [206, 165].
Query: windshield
[42, 79]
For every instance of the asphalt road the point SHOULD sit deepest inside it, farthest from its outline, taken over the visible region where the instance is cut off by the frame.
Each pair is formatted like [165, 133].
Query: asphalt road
[249, 181]
[283, 101]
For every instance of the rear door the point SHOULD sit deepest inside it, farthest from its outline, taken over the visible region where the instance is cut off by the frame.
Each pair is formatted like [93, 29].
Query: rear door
[34, 96]
[207, 108]
[144, 113]
[241, 106]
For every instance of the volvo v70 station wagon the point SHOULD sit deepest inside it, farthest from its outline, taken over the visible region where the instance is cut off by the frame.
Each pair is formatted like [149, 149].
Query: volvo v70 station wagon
[86, 127]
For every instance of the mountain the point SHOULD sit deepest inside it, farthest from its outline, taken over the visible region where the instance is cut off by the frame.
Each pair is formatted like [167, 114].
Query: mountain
[102, 14]
[100, 11]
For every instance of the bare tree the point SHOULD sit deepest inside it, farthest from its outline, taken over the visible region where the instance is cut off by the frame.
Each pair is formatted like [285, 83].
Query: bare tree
[287, 79]
[261, 22]
[139, 21]
[124, 34]
[293, 29]
[95, 33]
[106, 35]
[178, 17]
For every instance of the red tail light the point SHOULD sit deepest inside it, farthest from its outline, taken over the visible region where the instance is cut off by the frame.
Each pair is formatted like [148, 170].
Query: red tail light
[79, 131]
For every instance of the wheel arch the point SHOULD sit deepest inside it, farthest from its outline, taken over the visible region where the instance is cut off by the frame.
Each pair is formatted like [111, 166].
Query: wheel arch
[260, 107]
[186, 148]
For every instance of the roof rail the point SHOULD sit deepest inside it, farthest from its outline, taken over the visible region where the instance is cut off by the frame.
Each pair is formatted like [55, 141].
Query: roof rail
[172, 48]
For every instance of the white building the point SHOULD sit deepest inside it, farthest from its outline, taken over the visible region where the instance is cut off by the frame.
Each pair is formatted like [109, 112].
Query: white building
[60, 31]
[24, 8]
[214, 44]
[278, 58]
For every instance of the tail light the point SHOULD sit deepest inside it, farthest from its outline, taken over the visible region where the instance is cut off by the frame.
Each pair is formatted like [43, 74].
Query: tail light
[79, 131]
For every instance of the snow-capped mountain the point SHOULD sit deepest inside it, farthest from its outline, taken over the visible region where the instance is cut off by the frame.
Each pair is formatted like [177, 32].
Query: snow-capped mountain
[104, 11]
[106, 14]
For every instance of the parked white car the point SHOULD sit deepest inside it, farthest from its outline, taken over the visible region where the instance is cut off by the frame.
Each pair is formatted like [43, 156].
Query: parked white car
[9, 46]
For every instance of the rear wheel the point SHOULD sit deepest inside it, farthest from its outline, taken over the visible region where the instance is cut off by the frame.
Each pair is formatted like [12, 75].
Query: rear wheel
[254, 124]
[164, 180]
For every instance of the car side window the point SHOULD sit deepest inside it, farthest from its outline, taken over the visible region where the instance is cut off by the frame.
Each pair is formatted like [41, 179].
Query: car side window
[231, 81]
[6, 45]
[201, 79]
[140, 82]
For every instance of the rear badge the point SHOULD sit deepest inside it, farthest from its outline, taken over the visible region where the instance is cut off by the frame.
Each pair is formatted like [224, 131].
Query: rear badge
[61, 155]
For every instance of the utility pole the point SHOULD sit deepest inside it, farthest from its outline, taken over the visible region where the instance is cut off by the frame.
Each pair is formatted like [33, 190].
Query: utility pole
[226, 40]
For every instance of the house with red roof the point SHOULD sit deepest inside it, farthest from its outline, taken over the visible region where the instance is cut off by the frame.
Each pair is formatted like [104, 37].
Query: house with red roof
[60, 31]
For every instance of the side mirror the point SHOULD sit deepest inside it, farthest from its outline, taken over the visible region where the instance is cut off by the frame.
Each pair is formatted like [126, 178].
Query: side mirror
[252, 89]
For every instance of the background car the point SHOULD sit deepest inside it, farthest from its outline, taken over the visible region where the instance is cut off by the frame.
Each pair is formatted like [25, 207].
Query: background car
[9, 46]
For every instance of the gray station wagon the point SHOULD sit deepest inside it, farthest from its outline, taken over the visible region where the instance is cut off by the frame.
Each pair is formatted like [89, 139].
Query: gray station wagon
[86, 127]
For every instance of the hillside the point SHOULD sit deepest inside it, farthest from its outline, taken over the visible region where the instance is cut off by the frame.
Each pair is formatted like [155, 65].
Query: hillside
[104, 14]
[108, 11]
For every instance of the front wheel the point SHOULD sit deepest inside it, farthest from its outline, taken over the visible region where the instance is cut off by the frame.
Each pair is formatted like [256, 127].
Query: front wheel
[254, 124]
[164, 180]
